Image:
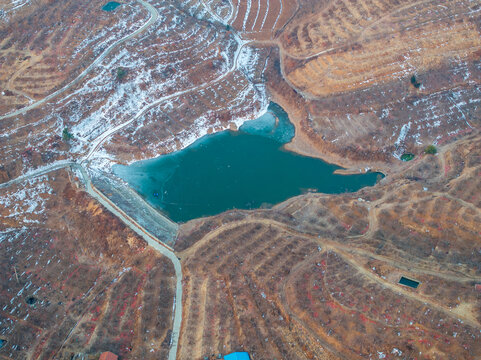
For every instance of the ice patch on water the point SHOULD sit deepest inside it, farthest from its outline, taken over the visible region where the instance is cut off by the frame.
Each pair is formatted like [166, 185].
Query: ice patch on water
[274, 124]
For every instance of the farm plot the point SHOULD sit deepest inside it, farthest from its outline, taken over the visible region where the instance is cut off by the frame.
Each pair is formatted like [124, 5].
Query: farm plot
[253, 19]
[45, 45]
[321, 273]
[360, 100]
[178, 122]
[231, 281]
[330, 294]
[181, 78]
[77, 281]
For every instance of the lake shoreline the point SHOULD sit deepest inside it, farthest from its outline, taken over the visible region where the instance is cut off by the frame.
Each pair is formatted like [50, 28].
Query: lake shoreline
[243, 169]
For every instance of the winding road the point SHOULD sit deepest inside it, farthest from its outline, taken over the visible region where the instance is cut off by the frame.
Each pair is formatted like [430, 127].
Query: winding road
[154, 15]
[101, 138]
[95, 193]
[152, 241]
[349, 253]
[82, 163]
[134, 226]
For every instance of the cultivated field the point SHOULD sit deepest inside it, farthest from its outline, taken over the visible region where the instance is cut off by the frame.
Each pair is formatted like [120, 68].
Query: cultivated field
[317, 277]
[76, 280]
[45, 44]
[374, 79]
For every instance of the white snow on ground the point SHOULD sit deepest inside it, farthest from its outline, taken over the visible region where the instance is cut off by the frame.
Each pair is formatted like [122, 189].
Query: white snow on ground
[251, 102]
[403, 133]
[223, 9]
[201, 126]
[28, 201]
[160, 70]
[247, 60]
[257, 14]
[278, 16]
[7, 233]
[12, 8]
[246, 15]
[160, 73]
[265, 16]
[106, 36]
[120, 101]
[400, 140]
[438, 116]
[219, 9]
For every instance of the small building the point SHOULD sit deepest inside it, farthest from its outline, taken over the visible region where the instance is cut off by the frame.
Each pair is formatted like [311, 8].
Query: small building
[108, 356]
[237, 356]
[477, 287]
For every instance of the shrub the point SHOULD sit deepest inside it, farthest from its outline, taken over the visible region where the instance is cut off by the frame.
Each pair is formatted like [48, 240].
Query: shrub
[407, 157]
[66, 136]
[415, 82]
[430, 149]
[121, 72]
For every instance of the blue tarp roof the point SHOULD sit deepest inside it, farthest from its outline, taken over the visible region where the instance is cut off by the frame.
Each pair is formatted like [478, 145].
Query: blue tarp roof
[237, 356]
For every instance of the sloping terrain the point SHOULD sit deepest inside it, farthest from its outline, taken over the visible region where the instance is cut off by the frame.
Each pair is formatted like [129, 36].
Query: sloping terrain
[377, 79]
[253, 19]
[45, 44]
[76, 280]
[175, 82]
[317, 276]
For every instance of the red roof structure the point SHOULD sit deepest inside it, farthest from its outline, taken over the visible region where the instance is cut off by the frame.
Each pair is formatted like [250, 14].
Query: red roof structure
[477, 287]
[108, 356]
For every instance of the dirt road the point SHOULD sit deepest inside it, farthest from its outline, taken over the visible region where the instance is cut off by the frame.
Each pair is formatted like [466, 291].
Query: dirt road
[154, 14]
[134, 226]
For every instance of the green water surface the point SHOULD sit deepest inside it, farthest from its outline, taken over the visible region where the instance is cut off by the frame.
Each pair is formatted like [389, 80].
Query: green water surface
[245, 170]
[407, 157]
[111, 6]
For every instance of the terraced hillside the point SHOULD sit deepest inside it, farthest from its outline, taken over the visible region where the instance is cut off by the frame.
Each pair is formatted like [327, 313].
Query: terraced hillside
[253, 19]
[44, 44]
[361, 80]
[76, 280]
[317, 277]
[179, 79]
[380, 78]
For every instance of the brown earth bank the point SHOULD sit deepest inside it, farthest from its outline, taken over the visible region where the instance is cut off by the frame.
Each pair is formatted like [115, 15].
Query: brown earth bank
[316, 277]
[76, 280]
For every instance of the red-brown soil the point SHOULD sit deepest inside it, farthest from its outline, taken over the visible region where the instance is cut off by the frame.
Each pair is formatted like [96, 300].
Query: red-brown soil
[94, 284]
[46, 44]
[317, 277]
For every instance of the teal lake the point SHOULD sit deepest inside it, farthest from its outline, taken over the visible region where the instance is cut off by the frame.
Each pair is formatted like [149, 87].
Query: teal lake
[243, 169]
[111, 6]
